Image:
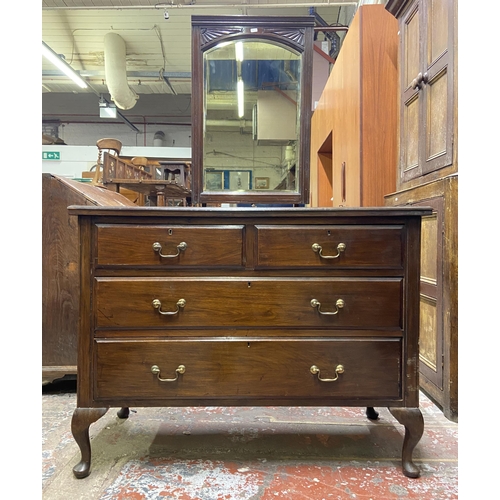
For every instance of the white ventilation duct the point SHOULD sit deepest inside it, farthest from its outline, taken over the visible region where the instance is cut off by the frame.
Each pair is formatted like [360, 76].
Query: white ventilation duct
[159, 139]
[115, 69]
[229, 123]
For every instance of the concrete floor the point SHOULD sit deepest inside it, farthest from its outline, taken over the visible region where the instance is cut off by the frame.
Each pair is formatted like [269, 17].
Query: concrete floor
[244, 453]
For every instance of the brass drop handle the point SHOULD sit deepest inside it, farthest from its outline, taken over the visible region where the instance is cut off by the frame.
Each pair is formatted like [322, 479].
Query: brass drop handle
[180, 248]
[316, 371]
[319, 249]
[339, 305]
[157, 305]
[156, 370]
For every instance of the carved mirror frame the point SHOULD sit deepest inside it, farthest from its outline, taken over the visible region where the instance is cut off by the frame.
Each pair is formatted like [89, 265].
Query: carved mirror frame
[294, 33]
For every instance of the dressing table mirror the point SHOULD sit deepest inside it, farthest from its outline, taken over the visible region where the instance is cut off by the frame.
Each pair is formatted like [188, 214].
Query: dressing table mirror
[251, 109]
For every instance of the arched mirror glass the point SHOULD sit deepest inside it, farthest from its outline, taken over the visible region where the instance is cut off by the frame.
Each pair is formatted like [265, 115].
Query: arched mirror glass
[252, 111]
[251, 117]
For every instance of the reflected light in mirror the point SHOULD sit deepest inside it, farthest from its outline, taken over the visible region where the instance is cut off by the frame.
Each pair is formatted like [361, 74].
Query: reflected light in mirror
[238, 48]
[241, 101]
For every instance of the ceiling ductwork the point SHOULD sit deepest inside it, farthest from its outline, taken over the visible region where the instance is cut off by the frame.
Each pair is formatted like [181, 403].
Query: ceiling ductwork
[115, 68]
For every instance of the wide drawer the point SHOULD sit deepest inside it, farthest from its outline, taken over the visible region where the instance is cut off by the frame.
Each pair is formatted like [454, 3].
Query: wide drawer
[247, 302]
[254, 368]
[339, 247]
[169, 245]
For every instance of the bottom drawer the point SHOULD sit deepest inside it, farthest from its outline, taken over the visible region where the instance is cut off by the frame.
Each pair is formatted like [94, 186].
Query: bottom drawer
[250, 368]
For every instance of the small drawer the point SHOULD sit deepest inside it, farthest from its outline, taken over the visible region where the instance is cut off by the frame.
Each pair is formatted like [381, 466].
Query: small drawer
[178, 246]
[341, 247]
[254, 368]
[329, 303]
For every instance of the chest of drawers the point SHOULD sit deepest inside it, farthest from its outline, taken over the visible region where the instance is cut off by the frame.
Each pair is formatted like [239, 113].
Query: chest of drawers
[248, 307]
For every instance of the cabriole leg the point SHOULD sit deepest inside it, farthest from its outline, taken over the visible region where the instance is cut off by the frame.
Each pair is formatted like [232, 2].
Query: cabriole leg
[80, 423]
[413, 421]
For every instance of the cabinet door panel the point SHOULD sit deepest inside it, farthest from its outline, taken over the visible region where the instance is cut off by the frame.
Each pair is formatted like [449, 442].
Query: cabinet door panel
[428, 344]
[437, 29]
[431, 323]
[437, 112]
[411, 103]
[411, 40]
[410, 152]
[438, 88]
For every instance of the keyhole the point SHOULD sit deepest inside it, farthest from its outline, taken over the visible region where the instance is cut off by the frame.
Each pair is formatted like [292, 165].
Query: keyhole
[249, 284]
[248, 344]
[328, 233]
[170, 232]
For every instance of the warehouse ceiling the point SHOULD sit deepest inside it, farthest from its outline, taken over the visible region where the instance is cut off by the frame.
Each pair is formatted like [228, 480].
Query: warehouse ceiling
[157, 37]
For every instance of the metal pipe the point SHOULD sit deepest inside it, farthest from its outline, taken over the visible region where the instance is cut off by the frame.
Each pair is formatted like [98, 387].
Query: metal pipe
[166, 5]
[131, 75]
[132, 117]
[83, 122]
[331, 28]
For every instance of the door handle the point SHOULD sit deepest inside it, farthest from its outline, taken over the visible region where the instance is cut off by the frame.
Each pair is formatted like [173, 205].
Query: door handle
[343, 181]
[416, 83]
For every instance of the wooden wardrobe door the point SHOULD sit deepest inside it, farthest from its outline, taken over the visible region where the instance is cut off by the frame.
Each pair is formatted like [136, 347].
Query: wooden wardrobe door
[427, 65]
[437, 86]
[431, 291]
[411, 108]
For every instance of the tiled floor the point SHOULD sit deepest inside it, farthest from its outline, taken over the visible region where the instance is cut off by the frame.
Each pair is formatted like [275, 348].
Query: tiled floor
[244, 453]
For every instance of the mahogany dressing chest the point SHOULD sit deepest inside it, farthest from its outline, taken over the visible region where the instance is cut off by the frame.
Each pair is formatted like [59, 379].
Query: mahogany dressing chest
[248, 307]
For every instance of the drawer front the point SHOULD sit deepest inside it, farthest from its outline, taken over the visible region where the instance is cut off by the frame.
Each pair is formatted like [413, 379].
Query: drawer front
[239, 302]
[178, 246]
[339, 247]
[371, 368]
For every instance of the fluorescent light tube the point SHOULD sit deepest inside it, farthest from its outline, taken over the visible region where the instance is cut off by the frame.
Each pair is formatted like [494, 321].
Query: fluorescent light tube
[241, 103]
[62, 65]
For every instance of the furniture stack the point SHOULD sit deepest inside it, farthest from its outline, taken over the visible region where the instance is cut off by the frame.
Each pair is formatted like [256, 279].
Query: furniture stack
[428, 175]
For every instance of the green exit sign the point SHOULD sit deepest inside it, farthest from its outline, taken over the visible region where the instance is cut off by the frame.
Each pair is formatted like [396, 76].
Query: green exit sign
[51, 155]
